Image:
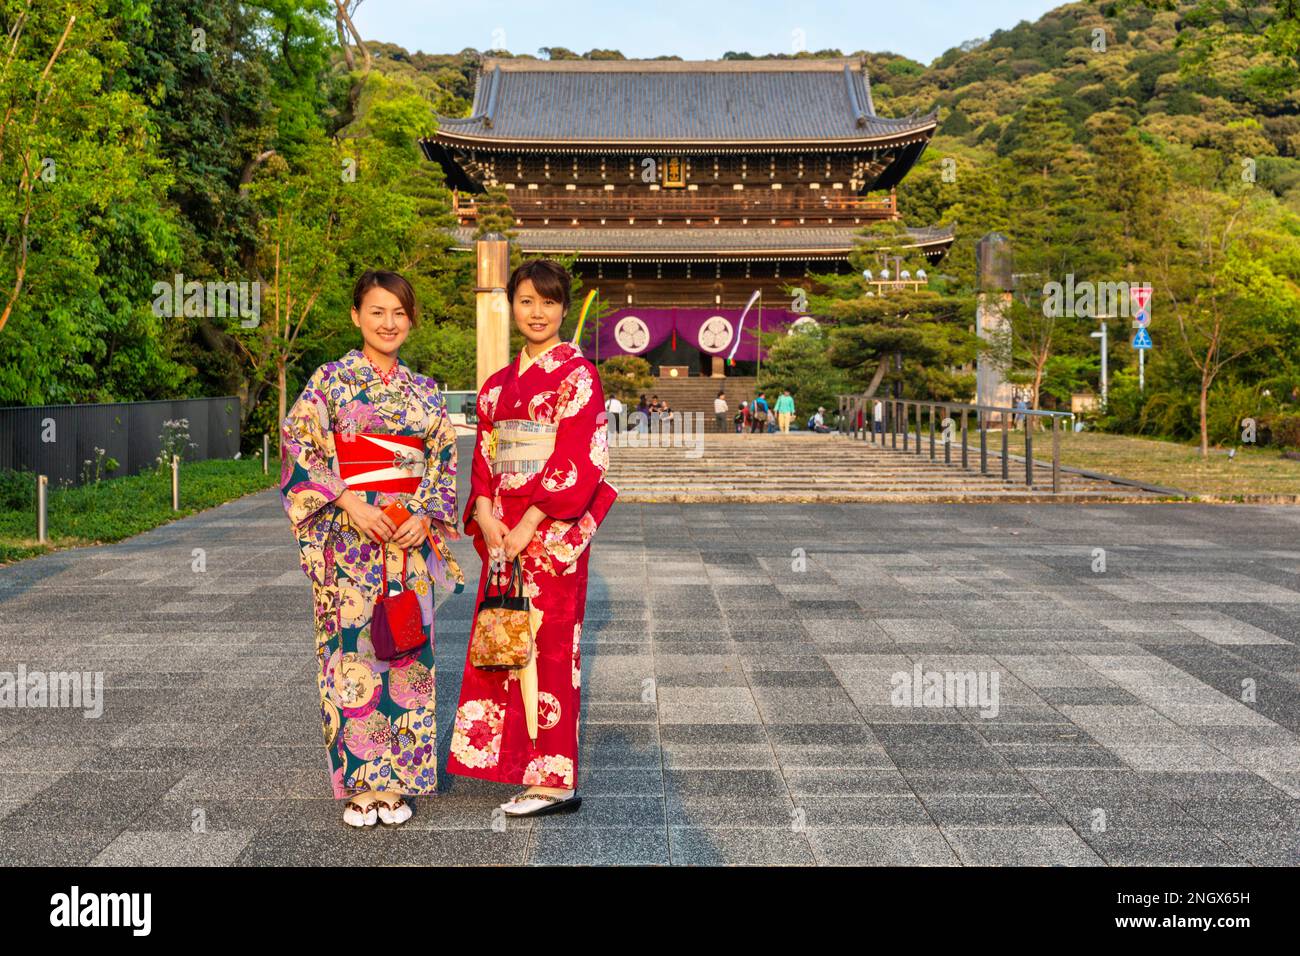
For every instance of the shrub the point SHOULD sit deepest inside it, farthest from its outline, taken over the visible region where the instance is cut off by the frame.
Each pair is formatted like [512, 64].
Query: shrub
[626, 376]
[17, 490]
[1281, 429]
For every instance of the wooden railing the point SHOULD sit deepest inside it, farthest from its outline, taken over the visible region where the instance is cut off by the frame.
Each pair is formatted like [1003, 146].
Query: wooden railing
[732, 206]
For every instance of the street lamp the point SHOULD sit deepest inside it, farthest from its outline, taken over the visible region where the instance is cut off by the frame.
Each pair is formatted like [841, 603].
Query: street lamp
[1105, 376]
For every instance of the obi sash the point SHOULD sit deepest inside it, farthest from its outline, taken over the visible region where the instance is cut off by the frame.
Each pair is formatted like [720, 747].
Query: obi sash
[520, 445]
[374, 461]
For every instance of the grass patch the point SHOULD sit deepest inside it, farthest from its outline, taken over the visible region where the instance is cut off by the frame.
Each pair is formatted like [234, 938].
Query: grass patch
[118, 508]
[1254, 471]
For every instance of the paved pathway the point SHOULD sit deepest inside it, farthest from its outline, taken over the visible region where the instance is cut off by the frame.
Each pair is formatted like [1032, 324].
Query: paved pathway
[734, 710]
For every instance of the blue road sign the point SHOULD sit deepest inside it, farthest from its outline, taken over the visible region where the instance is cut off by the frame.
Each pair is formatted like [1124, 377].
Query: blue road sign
[1142, 339]
[1141, 318]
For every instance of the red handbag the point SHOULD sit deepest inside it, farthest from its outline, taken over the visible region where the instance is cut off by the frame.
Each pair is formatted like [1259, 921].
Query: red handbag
[396, 626]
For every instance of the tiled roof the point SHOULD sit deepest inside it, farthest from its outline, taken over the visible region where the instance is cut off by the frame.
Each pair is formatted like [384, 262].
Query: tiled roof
[704, 242]
[675, 101]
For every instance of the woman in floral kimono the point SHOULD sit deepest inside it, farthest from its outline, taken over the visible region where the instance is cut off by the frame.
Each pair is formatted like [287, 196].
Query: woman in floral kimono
[537, 491]
[389, 432]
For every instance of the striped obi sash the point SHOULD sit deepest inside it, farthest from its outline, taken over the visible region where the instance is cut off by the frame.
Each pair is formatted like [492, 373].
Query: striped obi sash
[520, 445]
[373, 461]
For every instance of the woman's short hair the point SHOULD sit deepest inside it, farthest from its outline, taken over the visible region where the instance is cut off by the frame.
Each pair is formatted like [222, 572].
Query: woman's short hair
[391, 281]
[549, 278]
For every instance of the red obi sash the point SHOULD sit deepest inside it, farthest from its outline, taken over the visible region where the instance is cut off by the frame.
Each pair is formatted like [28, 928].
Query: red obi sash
[374, 461]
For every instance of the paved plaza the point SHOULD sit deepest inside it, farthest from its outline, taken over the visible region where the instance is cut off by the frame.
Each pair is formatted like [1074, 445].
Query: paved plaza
[738, 665]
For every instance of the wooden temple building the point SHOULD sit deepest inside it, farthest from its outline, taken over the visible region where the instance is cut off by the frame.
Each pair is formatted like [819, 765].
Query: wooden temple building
[684, 186]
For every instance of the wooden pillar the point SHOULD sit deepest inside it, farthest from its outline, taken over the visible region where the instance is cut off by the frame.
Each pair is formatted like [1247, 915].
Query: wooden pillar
[719, 367]
[492, 254]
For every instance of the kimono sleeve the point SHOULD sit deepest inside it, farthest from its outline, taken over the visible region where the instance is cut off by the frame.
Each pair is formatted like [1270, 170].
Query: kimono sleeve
[577, 466]
[307, 483]
[480, 475]
[436, 494]
[308, 486]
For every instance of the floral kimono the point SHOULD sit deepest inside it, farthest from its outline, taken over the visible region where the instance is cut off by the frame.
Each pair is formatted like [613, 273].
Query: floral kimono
[541, 441]
[393, 440]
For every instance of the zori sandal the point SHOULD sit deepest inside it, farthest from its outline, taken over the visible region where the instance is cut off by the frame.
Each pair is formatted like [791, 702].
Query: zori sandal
[358, 815]
[540, 804]
[393, 811]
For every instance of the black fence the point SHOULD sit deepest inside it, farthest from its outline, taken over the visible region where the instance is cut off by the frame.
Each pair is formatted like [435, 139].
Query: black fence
[57, 440]
[899, 416]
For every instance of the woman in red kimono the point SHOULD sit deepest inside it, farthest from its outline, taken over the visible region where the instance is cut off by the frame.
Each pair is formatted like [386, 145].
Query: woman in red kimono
[537, 490]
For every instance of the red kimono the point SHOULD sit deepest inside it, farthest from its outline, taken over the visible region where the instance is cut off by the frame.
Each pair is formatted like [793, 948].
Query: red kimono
[557, 399]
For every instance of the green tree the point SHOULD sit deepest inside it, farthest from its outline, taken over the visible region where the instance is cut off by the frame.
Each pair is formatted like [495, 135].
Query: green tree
[800, 360]
[322, 221]
[84, 220]
[1213, 276]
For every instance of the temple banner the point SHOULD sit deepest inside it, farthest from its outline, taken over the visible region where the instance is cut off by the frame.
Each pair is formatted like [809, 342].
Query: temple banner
[636, 331]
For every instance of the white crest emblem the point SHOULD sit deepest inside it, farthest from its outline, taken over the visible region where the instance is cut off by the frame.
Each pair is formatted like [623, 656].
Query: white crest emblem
[715, 333]
[632, 334]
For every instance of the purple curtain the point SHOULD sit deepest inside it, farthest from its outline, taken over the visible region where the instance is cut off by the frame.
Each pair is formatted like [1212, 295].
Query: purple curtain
[633, 331]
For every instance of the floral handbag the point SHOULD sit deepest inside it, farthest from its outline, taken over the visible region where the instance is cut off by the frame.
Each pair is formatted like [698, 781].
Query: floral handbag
[397, 624]
[503, 634]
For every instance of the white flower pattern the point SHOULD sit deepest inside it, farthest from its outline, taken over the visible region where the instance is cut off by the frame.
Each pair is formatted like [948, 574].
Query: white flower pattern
[599, 450]
[557, 479]
[575, 392]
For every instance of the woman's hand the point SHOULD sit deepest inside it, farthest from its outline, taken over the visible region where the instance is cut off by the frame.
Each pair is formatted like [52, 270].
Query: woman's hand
[369, 519]
[517, 538]
[494, 530]
[413, 530]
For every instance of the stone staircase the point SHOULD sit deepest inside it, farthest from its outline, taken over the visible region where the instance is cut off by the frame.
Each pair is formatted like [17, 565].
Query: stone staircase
[808, 467]
[696, 394]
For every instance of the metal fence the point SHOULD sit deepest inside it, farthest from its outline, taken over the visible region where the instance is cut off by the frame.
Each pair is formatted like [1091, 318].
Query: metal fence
[898, 418]
[57, 440]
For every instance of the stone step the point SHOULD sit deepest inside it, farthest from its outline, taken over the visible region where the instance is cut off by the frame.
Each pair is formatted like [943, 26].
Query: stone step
[765, 467]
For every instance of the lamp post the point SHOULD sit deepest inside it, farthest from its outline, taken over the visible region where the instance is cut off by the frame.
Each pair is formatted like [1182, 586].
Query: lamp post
[1105, 377]
[885, 259]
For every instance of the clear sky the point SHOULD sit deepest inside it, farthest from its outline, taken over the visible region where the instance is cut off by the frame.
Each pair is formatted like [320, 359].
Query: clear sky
[692, 29]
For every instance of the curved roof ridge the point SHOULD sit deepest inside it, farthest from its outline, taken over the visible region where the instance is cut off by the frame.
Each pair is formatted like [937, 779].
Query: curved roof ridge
[687, 105]
[775, 65]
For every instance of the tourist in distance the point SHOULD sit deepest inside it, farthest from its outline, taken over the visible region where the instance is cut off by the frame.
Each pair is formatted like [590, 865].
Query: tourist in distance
[785, 410]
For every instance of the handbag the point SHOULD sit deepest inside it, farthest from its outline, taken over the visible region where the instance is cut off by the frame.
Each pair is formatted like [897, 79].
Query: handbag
[396, 626]
[503, 633]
